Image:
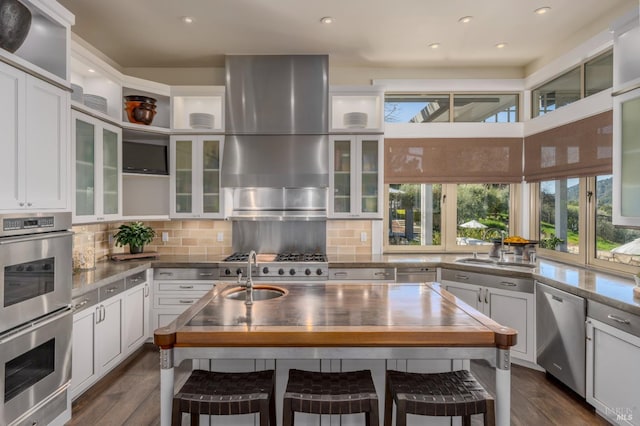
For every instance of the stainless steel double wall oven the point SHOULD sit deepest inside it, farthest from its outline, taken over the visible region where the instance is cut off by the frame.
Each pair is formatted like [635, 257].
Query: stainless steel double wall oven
[35, 317]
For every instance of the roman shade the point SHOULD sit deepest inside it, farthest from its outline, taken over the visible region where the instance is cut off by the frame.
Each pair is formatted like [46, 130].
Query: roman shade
[580, 148]
[453, 160]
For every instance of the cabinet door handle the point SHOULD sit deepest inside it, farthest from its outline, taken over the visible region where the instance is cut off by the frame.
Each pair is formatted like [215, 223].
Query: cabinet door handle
[98, 314]
[146, 290]
[508, 284]
[462, 277]
[618, 319]
[185, 301]
[104, 312]
[480, 296]
[486, 295]
[186, 286]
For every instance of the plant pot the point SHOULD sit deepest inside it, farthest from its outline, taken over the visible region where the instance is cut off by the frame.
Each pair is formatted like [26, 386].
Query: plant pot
[15, 22]
[136, 249]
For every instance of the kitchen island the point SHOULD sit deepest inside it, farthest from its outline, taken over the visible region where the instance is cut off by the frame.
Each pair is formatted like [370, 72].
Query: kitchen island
[336, 321]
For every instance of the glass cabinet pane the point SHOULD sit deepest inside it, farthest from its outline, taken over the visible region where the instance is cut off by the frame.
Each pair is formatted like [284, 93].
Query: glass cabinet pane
[342, 176]
[184, 172]
[85, 168]
[211, 176]
[110, 171]
[630, 158]
[370, 172]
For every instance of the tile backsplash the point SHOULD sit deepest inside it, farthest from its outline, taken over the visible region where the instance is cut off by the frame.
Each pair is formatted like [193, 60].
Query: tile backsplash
[201, 237]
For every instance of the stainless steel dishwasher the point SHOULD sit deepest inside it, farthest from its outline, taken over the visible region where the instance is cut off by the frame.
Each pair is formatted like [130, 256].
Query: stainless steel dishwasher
[415, 275]
[561, 335]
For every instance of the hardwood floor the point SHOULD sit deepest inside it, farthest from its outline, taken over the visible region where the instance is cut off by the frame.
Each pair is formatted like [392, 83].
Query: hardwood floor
[130, 395]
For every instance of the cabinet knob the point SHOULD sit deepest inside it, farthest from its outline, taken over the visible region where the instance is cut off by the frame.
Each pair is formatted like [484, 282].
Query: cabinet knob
[21, 204]
[29, 204]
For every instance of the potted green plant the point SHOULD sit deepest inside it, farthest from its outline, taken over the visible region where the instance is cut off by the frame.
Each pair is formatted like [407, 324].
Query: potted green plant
[135, 235]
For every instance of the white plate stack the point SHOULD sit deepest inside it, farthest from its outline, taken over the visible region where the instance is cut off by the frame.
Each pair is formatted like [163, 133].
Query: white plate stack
[201, 120]
[77, 93]
[355, 120]
[96, 102]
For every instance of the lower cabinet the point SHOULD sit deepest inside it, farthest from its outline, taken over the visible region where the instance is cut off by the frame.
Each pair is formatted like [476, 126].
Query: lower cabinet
[612, 380]
[508, 301]
[108, 324]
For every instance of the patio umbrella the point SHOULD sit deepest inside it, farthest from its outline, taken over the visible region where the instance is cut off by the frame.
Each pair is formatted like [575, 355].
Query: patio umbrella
[631, 248]
[473, 224]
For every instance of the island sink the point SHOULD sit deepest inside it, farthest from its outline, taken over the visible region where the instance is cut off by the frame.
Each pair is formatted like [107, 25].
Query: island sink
[260, 292]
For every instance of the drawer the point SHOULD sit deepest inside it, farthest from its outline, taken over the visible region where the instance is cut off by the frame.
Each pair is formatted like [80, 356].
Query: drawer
[135, 279]
[614, 317]
[375, 274]
[85, 301]
[184, 286]
[177, 300]
[111, 289]
[522, 285]
[185, 274]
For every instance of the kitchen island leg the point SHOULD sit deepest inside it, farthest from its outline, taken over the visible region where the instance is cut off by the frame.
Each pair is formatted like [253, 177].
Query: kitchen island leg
[166, 386]
[503, 387]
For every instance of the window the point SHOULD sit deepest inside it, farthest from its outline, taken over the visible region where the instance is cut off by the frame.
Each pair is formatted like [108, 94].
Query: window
[414, 214]
[419, 219]
[613, 244]
[436, 108]
[559, 215]
[557, 93]
[589, 78]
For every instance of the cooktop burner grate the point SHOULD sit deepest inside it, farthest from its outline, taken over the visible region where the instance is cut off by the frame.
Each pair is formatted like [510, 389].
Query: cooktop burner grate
[282, 257]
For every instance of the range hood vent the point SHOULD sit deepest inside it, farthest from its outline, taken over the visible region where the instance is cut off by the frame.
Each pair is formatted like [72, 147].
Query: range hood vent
[276, 122]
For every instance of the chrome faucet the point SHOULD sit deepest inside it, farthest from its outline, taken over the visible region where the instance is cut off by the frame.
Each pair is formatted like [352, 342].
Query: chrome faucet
[249, 283]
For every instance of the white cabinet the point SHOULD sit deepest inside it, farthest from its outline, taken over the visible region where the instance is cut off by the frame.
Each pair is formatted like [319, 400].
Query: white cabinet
[109, 332]
[84, 369]
[97, 169]
[136, 311]
[626, 157]
[508, 301]
[34, 119]
[195, 176]
[613, 349]
[355, 181]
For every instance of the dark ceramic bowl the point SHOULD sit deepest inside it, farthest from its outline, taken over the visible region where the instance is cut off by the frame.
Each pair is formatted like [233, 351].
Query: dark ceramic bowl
[15, 22]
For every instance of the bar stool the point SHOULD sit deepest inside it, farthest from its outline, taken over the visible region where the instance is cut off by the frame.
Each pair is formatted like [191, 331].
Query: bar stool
[330, 393]
[455, 393]
[213, 393]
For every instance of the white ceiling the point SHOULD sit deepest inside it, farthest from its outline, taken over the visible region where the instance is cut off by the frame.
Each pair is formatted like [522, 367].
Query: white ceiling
[372, 33]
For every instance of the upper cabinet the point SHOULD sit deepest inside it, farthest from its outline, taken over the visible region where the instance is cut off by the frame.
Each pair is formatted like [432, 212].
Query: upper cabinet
[45, 50]
[626, 62]
[34, 121]
[356, 109]
[97, 157]
[355, 180]
[198, 109]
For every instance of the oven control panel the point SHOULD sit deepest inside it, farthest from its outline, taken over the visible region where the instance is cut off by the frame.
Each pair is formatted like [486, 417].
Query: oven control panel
[19, 224]
[15, 224]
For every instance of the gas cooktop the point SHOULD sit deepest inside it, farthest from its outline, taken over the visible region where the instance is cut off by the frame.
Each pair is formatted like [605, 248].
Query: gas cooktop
[288, 266]
[279, 257]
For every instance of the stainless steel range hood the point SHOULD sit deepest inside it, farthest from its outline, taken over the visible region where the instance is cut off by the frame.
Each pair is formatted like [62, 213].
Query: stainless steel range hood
[276, 122]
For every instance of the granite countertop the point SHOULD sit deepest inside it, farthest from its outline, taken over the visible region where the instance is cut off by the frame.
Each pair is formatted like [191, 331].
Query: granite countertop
[610, 289]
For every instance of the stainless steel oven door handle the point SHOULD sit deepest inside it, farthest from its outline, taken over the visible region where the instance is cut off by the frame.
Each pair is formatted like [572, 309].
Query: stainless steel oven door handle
[35, 237]
[28, 328]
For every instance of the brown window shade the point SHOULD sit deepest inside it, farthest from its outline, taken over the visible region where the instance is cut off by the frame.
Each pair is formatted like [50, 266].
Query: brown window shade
[453, 160]
[580, 148]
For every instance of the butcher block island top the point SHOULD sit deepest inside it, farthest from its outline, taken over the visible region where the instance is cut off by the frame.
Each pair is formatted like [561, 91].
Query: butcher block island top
[336, 315]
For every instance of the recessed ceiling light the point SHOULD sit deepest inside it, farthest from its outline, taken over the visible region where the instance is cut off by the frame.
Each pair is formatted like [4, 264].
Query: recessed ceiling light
[326, 20]
[434, 45]
[91, 70]
[501, 45]
[465, 19]
[187, 19]
[542, 10]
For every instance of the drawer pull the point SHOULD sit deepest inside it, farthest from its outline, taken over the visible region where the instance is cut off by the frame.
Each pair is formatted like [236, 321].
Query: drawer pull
[618, 319]
[340, 274]
[135, 280]
[81, 304]
[557, 299]
[508, 284]
[111, 289]
[166, 273]
[462, 277]
[186, 302]
[186, 286]
[206, 274]
[381, 274]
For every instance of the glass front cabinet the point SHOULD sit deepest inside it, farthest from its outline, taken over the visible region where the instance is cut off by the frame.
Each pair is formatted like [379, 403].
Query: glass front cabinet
[195, 176]
[97, 164]
[626, 158]
[355, 182]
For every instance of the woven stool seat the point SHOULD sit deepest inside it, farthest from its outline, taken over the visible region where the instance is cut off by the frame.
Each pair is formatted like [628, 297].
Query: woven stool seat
[217, 394]
[330, 393]
[455, 393]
